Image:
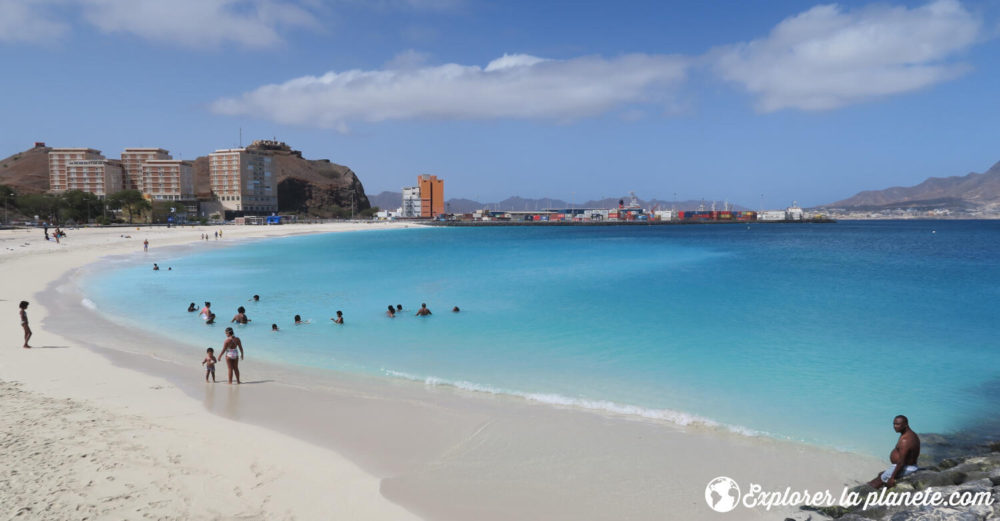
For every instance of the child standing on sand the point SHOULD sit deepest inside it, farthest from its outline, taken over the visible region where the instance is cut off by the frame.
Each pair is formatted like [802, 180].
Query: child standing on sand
[209, 363]
[24, 322]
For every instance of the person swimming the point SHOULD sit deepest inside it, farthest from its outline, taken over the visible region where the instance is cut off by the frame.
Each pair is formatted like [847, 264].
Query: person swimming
[455, 309]
[391, 313]
[339, 319]
[299, 321]
[241, 316]
[192, 308]
[274, 327]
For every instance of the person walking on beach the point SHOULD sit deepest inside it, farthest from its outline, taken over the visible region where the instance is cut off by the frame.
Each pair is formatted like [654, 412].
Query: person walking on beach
[209, 363]
[241, 316]
[423, 311]
[145, 245]
[903, 457]
[230, 353]
[23, 306]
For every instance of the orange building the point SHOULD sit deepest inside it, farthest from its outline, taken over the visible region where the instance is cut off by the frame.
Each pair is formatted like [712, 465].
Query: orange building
[431, 195]
[58, 160]
[132, 160]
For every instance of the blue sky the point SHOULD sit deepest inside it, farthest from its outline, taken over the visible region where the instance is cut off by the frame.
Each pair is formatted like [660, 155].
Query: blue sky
[575, 100]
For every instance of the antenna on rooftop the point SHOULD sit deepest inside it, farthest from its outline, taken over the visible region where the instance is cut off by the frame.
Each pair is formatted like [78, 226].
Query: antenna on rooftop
[241, 137]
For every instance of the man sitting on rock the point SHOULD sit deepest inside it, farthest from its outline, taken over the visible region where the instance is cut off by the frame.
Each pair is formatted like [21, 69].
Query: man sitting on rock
[903, 457]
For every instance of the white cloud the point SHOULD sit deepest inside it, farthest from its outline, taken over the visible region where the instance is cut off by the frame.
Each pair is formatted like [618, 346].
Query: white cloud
[826, 58]
[511, 87]
[28, 21]
[199, 23]
[188, 23]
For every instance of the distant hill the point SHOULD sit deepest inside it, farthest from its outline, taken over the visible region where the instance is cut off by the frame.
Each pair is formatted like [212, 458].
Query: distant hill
[968, 192]
[313, 187]
[393, 200]
[27, 172]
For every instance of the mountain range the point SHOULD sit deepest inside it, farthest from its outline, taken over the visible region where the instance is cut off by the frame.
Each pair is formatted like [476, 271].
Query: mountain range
[393, 200]
[971, 192]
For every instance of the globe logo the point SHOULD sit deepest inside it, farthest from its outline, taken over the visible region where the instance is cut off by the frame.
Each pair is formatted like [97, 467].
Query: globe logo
[722, 494]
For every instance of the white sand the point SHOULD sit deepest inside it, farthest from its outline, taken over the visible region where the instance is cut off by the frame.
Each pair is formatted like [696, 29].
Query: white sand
[83, 439]
[441, 453]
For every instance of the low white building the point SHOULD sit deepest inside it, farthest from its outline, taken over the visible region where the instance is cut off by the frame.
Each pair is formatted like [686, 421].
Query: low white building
[664, 215]
[771, 215]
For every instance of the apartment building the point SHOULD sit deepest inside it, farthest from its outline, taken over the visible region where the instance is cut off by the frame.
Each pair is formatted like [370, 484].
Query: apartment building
[132, 160]
[431, 195]
[101, 177]
[411, 202]
[167, 180]
[243, 181]
[59, 159]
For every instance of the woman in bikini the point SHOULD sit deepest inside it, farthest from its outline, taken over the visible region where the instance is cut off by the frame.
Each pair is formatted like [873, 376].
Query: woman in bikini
[232, 351]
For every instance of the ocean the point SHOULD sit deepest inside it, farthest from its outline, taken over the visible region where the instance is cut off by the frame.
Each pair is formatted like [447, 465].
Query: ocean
[819, 333]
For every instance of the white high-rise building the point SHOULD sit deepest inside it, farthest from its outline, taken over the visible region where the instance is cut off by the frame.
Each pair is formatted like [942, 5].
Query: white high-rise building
[411, 202]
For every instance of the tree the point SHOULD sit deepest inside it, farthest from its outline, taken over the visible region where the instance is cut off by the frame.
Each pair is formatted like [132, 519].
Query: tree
[45, 206]
[130, 201]
[7, 194]
[80, 206]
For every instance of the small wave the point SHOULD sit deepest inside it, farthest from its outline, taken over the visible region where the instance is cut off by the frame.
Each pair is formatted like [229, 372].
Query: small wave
[605, 406]
[89, 304]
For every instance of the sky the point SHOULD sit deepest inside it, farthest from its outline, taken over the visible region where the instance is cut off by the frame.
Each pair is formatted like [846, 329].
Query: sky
[757, 103]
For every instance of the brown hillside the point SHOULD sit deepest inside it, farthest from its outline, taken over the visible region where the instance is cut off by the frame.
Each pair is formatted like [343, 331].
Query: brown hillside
[26, 172]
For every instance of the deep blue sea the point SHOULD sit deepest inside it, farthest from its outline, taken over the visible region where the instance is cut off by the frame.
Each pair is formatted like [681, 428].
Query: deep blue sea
[812, 332]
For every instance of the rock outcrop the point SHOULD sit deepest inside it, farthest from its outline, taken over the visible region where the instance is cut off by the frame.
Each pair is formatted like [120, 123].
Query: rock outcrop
[964, 477]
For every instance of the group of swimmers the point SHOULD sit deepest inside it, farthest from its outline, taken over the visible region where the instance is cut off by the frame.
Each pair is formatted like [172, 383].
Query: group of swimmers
[241, 313]
[232, 347]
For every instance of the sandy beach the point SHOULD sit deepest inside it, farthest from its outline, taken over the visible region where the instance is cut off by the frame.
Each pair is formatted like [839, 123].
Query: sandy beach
[103, 422]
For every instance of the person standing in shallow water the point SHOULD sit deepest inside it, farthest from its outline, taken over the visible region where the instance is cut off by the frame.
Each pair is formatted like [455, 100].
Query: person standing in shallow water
[23, 306]
[339, 319]
[232, 351]
[423, 311]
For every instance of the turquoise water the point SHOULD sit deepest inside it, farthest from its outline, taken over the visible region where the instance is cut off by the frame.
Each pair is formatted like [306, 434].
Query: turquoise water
[820, 333]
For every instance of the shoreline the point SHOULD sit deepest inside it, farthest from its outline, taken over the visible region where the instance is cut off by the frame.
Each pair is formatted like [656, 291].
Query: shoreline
[449, 454]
